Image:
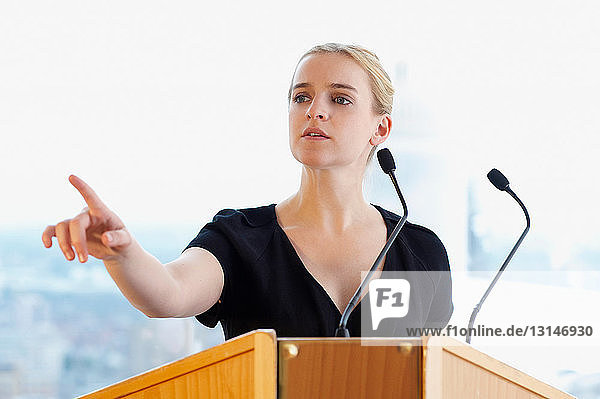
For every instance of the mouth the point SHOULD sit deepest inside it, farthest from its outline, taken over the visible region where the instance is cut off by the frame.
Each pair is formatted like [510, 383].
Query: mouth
[315, 133]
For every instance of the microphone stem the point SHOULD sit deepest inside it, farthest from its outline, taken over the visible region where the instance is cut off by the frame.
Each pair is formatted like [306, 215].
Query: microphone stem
[508, 258]
[395, 183]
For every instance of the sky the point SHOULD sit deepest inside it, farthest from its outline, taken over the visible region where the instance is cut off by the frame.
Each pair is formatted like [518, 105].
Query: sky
[172, 112]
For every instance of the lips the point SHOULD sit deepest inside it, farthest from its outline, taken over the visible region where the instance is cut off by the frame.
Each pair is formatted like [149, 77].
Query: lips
[314, 132]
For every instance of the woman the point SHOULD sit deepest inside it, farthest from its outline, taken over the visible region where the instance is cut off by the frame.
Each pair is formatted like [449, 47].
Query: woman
[292, 266]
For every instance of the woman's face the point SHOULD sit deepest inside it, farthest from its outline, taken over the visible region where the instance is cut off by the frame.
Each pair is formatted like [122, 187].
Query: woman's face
[332, 92]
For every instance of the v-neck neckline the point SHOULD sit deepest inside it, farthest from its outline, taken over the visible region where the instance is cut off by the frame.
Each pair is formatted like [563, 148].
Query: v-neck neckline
[316, 282]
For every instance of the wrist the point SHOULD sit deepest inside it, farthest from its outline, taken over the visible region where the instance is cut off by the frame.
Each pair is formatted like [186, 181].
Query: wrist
[124, 254]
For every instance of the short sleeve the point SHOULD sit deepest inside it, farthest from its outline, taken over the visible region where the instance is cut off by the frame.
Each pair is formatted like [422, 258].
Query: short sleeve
[217, 243]
[237, 238]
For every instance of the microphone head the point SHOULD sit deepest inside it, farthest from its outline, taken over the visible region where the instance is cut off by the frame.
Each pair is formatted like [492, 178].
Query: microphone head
[498, 179]
[386, 160]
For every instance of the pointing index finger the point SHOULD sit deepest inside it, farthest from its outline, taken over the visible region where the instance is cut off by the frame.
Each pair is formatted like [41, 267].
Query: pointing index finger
[90, 197]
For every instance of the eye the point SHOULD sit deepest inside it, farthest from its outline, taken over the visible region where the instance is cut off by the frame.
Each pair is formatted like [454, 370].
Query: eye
[300, 98]
[342, 100]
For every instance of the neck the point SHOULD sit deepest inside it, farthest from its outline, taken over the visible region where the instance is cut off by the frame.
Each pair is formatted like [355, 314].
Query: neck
[330, 200]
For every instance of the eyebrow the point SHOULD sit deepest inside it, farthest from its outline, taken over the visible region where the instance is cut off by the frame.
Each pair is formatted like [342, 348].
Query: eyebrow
[332, 85]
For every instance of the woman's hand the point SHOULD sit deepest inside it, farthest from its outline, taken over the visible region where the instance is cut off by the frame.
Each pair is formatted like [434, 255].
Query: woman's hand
[96, 230]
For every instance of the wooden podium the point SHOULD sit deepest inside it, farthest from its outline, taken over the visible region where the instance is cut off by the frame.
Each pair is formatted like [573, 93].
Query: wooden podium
[260, 365]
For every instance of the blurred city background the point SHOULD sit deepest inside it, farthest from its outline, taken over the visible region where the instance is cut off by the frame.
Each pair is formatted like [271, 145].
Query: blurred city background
[172, 113]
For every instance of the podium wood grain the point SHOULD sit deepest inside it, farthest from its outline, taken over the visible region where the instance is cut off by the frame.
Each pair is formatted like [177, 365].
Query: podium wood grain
[455, 370]
[244, 367]
[349, 368]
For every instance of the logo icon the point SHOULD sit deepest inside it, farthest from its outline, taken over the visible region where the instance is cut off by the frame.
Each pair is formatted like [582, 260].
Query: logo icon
[389, 299]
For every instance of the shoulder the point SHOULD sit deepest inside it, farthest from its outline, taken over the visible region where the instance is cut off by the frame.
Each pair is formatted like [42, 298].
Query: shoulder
[249, 217]
[421, 241]
[248, 230]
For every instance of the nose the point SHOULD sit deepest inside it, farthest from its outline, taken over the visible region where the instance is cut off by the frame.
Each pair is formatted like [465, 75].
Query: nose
[316, 111]
[316, 115]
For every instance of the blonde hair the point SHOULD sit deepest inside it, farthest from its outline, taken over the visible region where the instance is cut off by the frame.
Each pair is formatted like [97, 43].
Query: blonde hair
[381, 84]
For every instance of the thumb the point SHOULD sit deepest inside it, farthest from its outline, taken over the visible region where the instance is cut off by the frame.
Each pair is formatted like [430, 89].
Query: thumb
[116, 238]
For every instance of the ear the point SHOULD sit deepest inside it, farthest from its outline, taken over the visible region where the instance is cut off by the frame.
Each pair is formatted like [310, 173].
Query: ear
[383, 130]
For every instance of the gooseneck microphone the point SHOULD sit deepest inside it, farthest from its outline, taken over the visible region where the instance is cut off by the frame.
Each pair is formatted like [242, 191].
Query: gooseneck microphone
[386, 161]
[501, 183]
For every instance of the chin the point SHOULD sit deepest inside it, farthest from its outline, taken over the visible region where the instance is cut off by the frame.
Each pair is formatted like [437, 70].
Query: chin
[314, 159]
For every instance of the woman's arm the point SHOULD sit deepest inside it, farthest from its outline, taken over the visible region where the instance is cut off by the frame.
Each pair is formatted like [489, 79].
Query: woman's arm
[187, 286]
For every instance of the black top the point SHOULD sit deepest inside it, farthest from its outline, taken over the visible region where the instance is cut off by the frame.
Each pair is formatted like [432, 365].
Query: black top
[267, 285]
